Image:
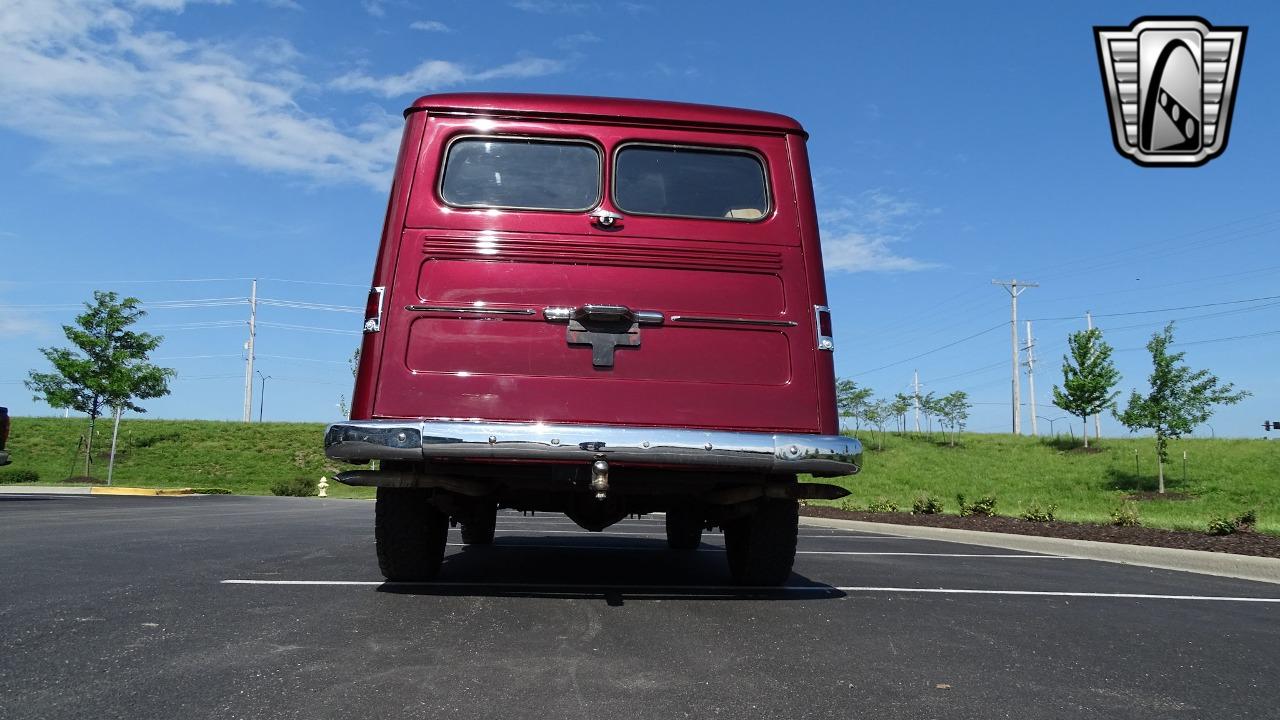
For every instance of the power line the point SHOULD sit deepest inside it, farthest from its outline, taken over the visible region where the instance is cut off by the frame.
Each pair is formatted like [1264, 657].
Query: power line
[930, 352]
[303, 359]
[308, 328]
[300, 305]
[1168, 309]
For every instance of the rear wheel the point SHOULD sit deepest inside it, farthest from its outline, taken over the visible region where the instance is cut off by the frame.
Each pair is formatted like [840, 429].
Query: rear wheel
[478, 529]
[410, 532]
[684, 529]
[761, 547]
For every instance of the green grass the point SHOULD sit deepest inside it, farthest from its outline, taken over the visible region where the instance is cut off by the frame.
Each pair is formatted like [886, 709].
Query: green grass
[243, 458]
[1224, 477]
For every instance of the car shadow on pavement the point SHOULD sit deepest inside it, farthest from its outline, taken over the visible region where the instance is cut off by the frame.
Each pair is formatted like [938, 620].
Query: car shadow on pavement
[611, 569]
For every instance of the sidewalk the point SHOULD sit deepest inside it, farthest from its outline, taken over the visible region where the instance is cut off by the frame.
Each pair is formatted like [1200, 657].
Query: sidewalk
[1244, 567]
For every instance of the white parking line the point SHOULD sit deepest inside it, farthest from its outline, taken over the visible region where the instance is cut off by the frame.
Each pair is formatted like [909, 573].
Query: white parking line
[716, 549]
[668, 589]
[609, 533]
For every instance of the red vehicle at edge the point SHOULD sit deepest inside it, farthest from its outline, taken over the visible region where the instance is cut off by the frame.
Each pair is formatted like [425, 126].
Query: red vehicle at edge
[599, 307]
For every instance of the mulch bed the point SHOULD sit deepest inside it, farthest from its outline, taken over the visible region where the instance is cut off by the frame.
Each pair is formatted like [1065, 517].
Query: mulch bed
[1240, 543]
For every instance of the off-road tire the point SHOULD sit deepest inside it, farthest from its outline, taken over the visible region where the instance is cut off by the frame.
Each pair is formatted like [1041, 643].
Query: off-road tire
[684, 529]
[411, 534]
[761, 547]
[478, 529]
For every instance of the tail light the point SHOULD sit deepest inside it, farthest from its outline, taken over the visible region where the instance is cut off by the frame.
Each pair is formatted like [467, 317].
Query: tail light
[373, 310]
[822, 323]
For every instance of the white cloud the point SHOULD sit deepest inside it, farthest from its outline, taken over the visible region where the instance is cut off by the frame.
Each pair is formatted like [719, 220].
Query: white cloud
[374, 7]
[570, 42]
[430, 26]
[553, 7]
[83, 77]
[13, 324]
[283, 4]
[433, 75]
[858, 233]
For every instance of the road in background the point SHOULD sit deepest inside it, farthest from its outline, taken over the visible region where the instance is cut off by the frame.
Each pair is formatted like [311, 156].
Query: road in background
[119, 608]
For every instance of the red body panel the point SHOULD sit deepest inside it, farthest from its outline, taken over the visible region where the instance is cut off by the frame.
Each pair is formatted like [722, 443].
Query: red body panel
[517, 366]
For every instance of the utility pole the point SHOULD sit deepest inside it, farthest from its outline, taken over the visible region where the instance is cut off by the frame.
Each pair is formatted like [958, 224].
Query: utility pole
[1097, 418]
[1031, 378]
[915, 395]
[248, 348]
[1015, 289]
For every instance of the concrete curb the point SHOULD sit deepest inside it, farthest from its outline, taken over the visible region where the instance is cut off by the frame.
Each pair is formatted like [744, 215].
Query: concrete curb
[1243, 567]
[42, 490]
[146, 492]
[91, 490]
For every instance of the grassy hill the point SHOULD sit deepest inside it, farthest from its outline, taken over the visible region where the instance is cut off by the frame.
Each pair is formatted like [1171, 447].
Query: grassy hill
[243, 458]
[1224, 477]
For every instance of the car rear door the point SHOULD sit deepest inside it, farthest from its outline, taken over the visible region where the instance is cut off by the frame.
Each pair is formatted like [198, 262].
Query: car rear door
[530, 314]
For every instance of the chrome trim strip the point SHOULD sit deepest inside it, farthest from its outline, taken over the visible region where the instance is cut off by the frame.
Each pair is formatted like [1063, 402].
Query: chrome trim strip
[565, 314]
[468, 309]
[425, 440]
[732, 321]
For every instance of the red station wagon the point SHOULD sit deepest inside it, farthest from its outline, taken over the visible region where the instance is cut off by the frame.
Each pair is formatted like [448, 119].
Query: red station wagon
[600, 307]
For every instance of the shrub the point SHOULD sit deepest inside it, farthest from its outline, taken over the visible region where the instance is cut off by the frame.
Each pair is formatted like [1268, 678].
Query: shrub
[984, 506]
[882, 505]
[1035, 513]
[211, 491]
[926, 504]
[297, 487]
[1247, 519]
[1222, 526]
[18, 475]
[1125, 515]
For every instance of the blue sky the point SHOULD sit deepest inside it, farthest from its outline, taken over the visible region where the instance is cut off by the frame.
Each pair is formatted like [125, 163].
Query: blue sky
[153, 141]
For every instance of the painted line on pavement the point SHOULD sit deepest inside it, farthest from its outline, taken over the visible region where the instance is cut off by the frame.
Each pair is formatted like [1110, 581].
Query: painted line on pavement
[552, 587]
[716, 549]
[609, 533]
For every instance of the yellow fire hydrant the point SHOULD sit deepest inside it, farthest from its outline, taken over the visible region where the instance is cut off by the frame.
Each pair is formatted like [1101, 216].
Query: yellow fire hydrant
[323, 487]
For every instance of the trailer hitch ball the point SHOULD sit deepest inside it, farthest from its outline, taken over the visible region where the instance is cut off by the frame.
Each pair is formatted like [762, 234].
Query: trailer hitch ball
[600, 478]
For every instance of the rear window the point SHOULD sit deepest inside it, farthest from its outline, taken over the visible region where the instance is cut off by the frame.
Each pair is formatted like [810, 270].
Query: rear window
[690, 182]
[520, 173]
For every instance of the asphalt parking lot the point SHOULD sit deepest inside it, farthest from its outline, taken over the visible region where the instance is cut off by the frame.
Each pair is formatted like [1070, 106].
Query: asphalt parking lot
[239, 607]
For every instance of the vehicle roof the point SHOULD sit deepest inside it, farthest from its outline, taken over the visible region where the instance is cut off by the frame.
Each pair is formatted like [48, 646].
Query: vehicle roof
[615, 109]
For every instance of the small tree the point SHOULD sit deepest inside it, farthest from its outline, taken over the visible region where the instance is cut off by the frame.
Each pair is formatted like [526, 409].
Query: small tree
[900, 406]
[954, 409]
[1088, 377]
[877, 414]
[930, 407]
[107, 369]
[851, 401]
[1180, 398]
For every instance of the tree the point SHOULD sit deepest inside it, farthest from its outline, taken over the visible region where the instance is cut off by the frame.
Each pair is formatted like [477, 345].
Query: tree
[107, 369]
[929, 406]
[1088, 377]
[877, 414]
[851, 401]
[900, 406]
[954, 410]
[1180, 398]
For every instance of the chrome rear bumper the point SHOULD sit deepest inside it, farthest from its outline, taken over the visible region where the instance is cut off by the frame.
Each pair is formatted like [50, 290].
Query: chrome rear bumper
[423, 440]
